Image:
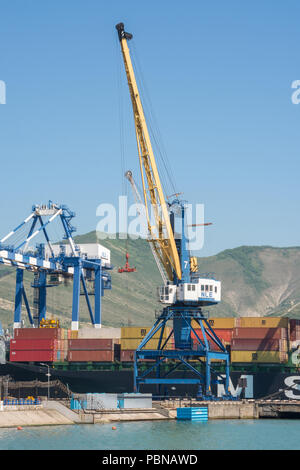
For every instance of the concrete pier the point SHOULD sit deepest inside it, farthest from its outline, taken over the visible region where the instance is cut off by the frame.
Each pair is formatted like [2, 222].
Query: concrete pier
[31, 416]
[244, 409]
[53, 412]
[278, 409]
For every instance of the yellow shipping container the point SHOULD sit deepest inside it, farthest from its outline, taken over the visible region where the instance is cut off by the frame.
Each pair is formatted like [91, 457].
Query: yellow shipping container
[133, 343]
[71, 334]
[134, 332]
[218, 323]
[262, 322]
[258, 356]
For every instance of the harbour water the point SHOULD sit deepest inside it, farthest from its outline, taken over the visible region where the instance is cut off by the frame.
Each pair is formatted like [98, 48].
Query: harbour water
[159, 435]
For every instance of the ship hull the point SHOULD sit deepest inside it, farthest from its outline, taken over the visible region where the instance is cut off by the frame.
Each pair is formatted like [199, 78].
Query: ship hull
[250, 385]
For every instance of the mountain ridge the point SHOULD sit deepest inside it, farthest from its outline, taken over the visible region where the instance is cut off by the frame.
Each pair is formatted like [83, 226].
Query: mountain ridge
[256, 281]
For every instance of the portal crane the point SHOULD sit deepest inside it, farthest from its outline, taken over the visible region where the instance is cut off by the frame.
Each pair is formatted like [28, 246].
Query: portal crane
[186, 291]
[51, 263]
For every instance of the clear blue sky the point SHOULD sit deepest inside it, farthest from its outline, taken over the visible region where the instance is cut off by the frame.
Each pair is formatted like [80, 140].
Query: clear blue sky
[219, 74]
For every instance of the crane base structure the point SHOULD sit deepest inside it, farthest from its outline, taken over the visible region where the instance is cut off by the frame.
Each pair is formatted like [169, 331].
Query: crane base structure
[186, 350]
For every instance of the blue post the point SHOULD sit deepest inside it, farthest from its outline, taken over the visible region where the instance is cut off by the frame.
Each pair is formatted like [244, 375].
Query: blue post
[135, 374]
[227, 376]
[18, 298]
[76, 297]
[207, 375]
[27, 307]
[98, 295]
[42, 294]
[87, 298]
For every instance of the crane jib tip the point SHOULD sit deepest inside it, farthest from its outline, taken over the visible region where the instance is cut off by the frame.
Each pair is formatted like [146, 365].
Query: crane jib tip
[122, 33]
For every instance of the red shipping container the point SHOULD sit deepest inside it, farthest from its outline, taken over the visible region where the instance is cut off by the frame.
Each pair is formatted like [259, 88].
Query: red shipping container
[255, 344]
[224, 335]
[294, 329]
[127, 355]
[91, 356]
[293, 322]
[259, 333]
[32, 356]
[91, 344]
[33, 344]
[37, 333]
[212, 346]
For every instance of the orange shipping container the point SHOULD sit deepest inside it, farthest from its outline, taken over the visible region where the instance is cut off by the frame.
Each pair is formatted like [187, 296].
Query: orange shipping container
[259, 333]
[96, 344]
[223, 334]
[128, 356]
[91, 356]
[238, 344]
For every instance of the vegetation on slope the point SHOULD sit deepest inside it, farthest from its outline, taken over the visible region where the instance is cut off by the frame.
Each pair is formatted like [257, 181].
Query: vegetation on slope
[255, 281]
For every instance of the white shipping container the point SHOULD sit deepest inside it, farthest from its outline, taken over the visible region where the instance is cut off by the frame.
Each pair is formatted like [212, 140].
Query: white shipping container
[2, 352]
[135, 400]
[89, 250]
[101, 401]
[105, 333]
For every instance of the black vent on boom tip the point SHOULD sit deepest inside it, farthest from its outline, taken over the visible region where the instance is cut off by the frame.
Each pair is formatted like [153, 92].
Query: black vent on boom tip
[121, 32]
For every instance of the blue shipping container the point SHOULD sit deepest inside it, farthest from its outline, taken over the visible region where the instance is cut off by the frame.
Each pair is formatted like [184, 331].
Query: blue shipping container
[193, 413]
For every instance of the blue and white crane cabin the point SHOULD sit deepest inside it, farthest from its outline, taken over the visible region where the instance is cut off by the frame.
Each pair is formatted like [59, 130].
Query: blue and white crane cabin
[203, 291]
[51, 263]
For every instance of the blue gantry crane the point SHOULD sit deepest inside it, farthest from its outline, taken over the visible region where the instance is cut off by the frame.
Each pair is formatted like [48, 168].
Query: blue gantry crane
[52, 263]
[185, 292]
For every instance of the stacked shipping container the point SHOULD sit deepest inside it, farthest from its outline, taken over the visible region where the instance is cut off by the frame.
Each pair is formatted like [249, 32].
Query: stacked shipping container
[58, 345]
[91, 350]
[251, 339]
[39, 344]
[131, 338]
[222, 327]
[260, 339]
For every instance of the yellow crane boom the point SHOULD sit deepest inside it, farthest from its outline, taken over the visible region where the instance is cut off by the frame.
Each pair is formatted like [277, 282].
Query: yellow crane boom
[161, 234]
